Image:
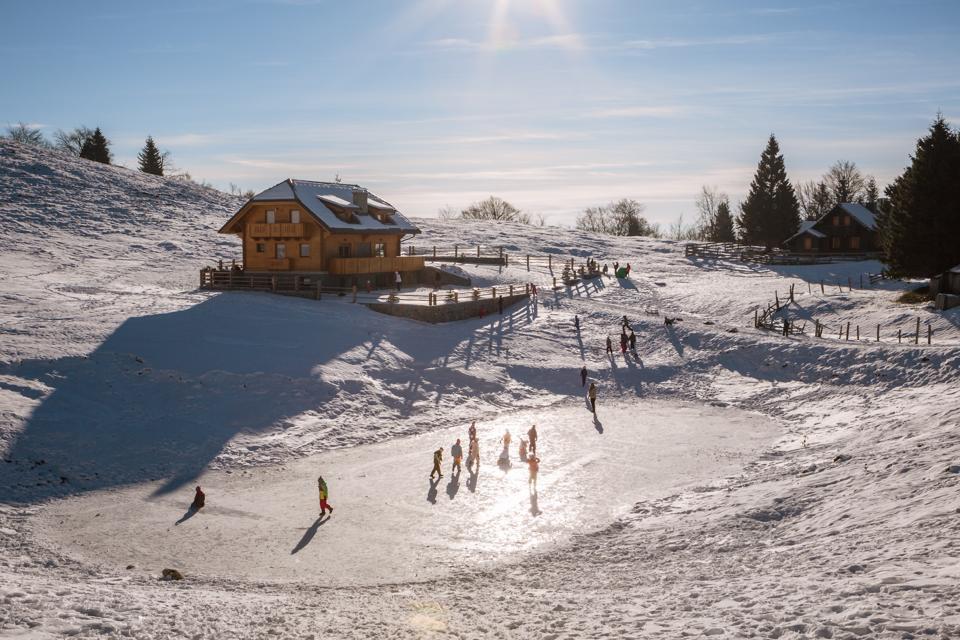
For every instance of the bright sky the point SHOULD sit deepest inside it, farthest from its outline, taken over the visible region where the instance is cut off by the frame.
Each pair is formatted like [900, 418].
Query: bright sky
[554, 105]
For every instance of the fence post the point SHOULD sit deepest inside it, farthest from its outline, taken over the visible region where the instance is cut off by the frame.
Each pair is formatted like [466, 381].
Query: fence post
[929, 334]
[456, 296]
[554, 282]
[776, 297]
[849, 283]
[858, 333]
[528, 262]
[822, 291]
[493, 290]
[848, 330]
[916, 339]
[455, 249]
[899, 336]
[354, 293]
[511, 290]
[878, 333]
[756, 318]
[808, 287]
[861, 281]
[840, 337]
[273, 283]
[478, 251]
[317, 297]
[550, 264]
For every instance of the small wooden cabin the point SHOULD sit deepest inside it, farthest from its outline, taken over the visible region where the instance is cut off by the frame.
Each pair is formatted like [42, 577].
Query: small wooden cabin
[847, 228]
[303, 226]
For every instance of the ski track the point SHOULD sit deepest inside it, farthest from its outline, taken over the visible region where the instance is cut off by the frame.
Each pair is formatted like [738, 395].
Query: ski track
[109, 367]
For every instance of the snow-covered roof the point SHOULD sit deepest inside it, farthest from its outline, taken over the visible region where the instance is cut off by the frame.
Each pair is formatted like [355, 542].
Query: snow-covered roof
[863, 215]
[807, 227]
[315, 196]
[956, 269]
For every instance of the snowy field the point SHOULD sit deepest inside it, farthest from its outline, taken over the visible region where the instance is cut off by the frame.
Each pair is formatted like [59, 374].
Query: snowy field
[735, 483]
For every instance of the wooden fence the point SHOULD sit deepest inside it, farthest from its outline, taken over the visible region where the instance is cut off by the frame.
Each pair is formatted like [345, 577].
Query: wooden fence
[763, 255]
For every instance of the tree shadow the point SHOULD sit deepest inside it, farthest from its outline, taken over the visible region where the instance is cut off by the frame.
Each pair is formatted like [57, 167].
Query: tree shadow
[454, 485]
[308, 535]
[432, 491]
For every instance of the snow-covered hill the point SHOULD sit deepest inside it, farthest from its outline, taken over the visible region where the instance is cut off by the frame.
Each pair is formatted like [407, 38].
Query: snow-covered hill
[734, 483]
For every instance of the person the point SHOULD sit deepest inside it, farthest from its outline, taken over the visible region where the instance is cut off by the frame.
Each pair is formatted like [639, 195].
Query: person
[532, 434]
[592, 394]
[623, 342]
[456, 452]
[397, 279]
[609, 345]
[500, 304]
[506, 439]
[324, 494]
[616, 267]
[583, 376]
[576, 323]
[633, 341]
[473, 454]
[628, 268]
[472, 431]
[369, 287]
[523, 450]
[437, 459]
[625, 323]
[605, 269]
[533, 289]
[482, 312]
[534, 463]
[199, 499]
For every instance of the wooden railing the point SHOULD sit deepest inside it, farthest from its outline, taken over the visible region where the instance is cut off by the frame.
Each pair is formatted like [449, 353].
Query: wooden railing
[277, 230]
[349, 266]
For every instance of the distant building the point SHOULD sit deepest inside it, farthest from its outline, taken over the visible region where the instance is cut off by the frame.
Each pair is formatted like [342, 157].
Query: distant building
[321, 227]
[947, 282]
[847, 228]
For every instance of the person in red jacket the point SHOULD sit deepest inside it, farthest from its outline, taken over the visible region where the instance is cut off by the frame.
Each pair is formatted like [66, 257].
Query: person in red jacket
[199, 499]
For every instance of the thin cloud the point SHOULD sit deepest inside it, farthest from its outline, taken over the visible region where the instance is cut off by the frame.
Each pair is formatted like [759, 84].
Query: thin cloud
[637, 112]
[678, 43]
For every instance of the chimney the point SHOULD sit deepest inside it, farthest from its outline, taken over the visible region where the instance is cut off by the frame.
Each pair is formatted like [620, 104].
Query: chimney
[360, 199]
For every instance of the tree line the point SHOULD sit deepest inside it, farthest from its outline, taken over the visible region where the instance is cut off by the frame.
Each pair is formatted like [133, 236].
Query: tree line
[90, 144]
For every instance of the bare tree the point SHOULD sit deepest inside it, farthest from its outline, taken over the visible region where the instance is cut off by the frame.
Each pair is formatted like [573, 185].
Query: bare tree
[26, 134]
[679, 231]
[845, 182]
[72, 141]
[621, 218]
[708, 204]
[494, 208]
[447, 213]
[594, 219]
[815, 199]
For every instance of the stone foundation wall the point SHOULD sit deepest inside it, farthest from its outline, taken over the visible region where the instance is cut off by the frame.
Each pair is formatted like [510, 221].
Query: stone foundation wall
[448, 312]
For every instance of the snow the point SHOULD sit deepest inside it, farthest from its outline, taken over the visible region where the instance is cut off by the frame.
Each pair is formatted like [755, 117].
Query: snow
[744, 484]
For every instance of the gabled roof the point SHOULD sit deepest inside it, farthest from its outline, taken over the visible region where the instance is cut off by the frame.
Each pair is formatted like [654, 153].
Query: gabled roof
[860, 213]
[315, 196]
[807, 227]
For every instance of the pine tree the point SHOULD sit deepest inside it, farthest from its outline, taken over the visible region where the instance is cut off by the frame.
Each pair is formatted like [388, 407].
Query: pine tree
[723, 224]
[771, 213]
[151, 160]
[919, 229]
[96, 148]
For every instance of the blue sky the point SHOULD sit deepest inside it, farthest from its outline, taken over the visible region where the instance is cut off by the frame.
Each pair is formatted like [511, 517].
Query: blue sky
[554, 105]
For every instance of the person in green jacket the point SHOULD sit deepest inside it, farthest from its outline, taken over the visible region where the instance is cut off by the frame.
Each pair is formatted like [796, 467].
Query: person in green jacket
[322, 486]
[437, 459]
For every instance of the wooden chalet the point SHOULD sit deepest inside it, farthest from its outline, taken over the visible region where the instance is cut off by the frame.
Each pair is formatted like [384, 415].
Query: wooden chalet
[848, 228]
[322, 229]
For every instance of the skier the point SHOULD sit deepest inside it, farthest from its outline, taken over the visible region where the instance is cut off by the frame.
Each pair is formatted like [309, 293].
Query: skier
[199, 499]
[576, 323]
[609, 345]
[523, 450]
[473, 455]
[633, 342]
[397, 279]
[534, 463]
[592, 394]
[322, 487]
[532, 434]
[583, 376]
[456, 452]
[437, 459]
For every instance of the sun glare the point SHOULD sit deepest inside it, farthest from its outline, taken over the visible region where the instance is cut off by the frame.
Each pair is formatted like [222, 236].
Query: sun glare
[508, 16]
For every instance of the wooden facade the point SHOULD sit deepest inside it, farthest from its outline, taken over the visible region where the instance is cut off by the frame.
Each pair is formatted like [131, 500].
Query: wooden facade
[285, 235]
[847, 229]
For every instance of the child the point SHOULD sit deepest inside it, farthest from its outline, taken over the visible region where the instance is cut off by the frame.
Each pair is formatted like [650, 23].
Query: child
[437, 459]
[473, 456]
[456, 452]
[592, 393]
[322, 487]
[199, 499]
[534, 463]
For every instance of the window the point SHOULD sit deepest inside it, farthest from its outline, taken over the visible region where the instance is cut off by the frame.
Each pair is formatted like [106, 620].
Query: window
[344, 251]
[854, 242]
[295, 216]
[261, 247]
[304, 250]
[363, 250]
[836, 221]
[380, 250]
[281, 251]
[271, 216]
[846, 221]
[835, 242]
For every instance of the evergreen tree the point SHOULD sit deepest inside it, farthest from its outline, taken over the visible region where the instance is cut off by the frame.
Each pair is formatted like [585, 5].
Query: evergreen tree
[920, 226]
[151, 160]
[723, 224]
[771, 213]
[871, 194]
[96, 148]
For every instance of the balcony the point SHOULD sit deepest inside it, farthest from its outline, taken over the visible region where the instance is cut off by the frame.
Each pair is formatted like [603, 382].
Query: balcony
[278, 230]
[278, 264]
[352, 266]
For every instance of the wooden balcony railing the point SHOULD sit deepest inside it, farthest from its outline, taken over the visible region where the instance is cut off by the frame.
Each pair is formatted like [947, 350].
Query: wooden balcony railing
[278, 230]
[347, 266]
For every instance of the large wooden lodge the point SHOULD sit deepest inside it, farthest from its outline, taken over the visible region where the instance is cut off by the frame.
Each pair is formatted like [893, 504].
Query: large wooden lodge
[322, 229]
[848, 228]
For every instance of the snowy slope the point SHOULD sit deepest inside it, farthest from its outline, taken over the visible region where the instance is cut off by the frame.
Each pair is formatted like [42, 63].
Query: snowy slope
[120, 384]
